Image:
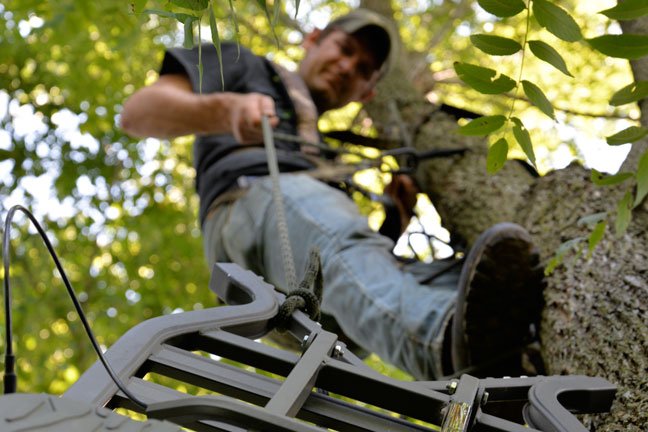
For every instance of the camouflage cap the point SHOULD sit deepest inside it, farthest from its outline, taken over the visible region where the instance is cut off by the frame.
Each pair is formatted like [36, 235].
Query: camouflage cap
[383, 40]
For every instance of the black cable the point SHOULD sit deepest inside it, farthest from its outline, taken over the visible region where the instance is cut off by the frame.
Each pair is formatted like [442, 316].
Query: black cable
[10, 376]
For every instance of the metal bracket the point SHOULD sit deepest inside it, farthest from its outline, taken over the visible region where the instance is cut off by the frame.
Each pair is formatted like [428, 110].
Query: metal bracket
[460, 413]
[552, 402]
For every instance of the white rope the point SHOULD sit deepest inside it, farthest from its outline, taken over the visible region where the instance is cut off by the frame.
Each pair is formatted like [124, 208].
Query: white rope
[282, 225]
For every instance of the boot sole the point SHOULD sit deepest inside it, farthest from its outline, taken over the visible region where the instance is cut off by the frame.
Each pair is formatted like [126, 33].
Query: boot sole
[499, 303]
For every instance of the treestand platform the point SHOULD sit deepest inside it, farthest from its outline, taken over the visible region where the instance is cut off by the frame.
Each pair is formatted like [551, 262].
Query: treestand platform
[216, 350]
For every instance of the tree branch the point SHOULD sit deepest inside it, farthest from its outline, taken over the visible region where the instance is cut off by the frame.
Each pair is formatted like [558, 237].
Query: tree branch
[640, 72]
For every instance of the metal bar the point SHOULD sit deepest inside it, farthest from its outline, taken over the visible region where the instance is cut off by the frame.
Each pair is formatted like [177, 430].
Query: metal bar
[489, 423]
[155, 393]
[407, 398]
[320, 409]
[213, 375]
[243, 350]
[294, 391]
[258, 389]
[191, 411]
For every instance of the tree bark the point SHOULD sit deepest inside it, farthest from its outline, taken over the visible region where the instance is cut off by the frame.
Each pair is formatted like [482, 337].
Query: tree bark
[640, 72]
[596, 305]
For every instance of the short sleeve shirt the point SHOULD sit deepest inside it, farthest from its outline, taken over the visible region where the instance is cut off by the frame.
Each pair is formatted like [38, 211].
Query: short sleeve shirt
[218, 159]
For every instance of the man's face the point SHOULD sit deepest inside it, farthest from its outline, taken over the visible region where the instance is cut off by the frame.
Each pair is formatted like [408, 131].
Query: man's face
[338, 69]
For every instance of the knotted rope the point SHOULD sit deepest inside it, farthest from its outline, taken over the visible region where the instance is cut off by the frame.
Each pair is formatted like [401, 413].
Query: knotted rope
[307, 297]
[308, 294]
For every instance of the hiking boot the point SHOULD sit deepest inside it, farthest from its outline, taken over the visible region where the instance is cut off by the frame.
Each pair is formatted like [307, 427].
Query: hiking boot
[498, 303]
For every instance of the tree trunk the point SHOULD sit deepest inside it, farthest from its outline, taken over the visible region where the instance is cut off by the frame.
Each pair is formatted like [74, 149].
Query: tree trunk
[594, 322]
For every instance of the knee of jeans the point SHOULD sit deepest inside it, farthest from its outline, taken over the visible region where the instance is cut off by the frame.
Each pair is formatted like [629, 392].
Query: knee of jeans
[212, 238]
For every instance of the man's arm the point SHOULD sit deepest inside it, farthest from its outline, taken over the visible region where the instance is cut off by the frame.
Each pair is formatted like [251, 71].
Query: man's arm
[169, 108]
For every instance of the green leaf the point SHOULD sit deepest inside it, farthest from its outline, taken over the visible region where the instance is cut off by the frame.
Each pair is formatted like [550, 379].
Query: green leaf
[483, 125]
[556, 20]
[263, 4]
[627, 46]
[495, 45]
[181, 17]
[297, 2]
[627, 10]
[629, 135]
[524, 139]
[184, 17]
[233, 17]
[633, 92]
[596, 236]
[188, 33]
[195, 5]
[562, 250]
[234, 20]
[276, 11]
[213, 25]
[264, 7]
[600, 179]
[137, 6]
[569, 245]
[162, 13]
[538, 98]
[547, 53]
[592, 219]
[502, 8]
[624, 214]
[642, 179]
[482, 79]
[497, 155]
[200, 62]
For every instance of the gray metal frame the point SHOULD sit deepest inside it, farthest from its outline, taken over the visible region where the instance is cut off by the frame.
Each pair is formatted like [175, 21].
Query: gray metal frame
[297, 397]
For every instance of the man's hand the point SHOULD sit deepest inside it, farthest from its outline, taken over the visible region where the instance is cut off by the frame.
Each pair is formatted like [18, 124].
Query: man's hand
[403, 190]
[246, 112]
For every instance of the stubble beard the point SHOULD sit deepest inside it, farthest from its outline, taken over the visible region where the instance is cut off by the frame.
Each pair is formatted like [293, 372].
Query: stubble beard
[322, 100]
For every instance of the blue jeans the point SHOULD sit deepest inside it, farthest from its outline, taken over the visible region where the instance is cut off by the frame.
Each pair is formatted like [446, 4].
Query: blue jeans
[377, 304]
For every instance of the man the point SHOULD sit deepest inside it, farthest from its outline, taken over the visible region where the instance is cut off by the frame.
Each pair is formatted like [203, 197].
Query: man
[379, 306]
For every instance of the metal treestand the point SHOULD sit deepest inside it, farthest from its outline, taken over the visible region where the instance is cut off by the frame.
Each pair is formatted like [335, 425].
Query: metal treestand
[189, 347]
